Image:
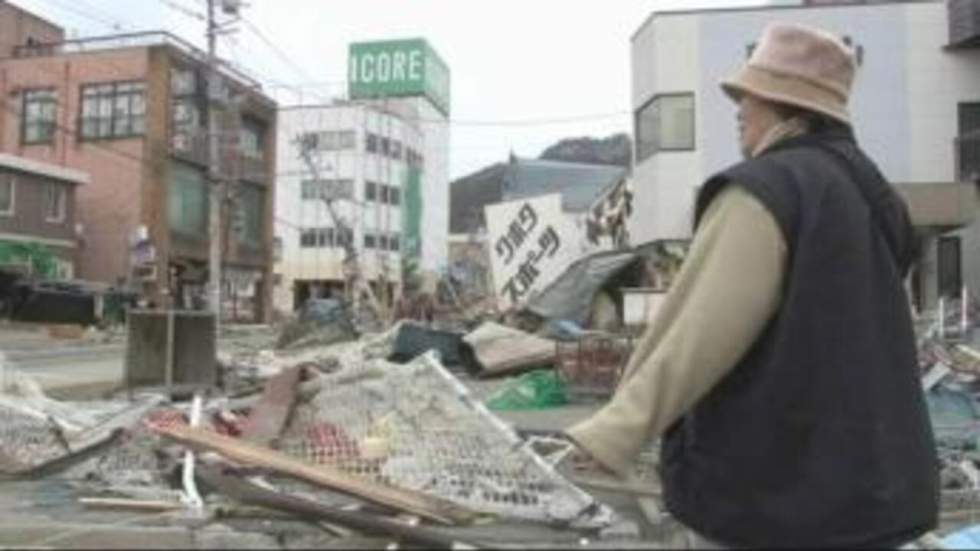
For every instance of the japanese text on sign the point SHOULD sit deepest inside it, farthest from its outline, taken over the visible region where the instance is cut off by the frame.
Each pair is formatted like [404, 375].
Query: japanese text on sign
[511, 246]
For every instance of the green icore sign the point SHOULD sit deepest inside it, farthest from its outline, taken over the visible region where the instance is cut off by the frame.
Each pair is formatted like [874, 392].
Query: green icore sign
[398, 68]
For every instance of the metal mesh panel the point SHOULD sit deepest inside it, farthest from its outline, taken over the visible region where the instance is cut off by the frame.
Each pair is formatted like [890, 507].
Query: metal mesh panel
[415, 426]
[27, 440]
[135, 461]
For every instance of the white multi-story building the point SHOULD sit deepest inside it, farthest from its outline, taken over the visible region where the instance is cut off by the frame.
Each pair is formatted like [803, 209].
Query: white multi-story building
[915, 105]
[369, 155]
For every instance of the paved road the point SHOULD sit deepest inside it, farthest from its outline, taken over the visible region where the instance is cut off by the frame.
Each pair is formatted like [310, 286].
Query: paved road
[59, 368]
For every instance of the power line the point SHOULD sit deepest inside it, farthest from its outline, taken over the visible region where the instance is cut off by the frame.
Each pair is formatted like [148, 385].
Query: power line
[490, 123]
[277, 51]
[69, 8]
[180, 8]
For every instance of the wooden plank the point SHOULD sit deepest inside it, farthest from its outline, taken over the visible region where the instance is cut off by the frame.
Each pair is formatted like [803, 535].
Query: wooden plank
[130, 504]
[322, 475]
[248, 493]
[268, 418]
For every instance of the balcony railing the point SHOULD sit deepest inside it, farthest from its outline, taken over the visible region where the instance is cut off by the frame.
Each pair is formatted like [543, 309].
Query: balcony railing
[967, 150]
[192, 146]
[133, 40]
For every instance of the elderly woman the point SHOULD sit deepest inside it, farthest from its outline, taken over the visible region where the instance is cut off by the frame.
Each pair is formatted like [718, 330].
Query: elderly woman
[781, 370]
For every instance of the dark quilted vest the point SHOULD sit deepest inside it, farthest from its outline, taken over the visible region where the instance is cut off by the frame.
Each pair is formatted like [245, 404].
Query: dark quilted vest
[820, 437]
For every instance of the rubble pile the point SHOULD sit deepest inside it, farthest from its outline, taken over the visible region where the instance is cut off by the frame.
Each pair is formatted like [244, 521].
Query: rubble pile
[361, 433]
[313, 429]
[415, 426]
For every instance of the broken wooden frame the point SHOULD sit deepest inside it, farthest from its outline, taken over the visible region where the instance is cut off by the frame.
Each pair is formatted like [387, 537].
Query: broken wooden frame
[321, 475]
[237, 488]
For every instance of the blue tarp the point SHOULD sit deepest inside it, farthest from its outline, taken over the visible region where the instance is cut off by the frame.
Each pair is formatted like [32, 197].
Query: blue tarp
[968, 538]
[955, 418]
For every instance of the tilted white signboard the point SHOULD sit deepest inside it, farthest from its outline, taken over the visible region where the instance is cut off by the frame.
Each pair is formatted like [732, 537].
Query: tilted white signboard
[531, 242]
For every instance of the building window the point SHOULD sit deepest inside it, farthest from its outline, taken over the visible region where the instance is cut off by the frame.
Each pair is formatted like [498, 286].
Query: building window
[186, 110]
[385, 146]
[7, 188]
[370, 191]
[327, 189]
[318, 238]
[187, 201]
[396, 150]
[335, 140]
[251, 138]
[969, 118]
[55, 203]
[968, 146]
[383, 242]
[309, 189]
[250, 202]
[665, 123]
[383, 195]
[40, 112]
[114, 110]
[371, 143]
[307, 239]
[394, 196]
[370, 241]
[949, 262]
[393, 243]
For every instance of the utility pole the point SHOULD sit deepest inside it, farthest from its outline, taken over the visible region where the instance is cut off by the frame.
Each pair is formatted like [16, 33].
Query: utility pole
[214, 177]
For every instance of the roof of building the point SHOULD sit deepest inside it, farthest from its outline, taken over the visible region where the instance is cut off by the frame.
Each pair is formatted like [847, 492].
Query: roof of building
[468, 196]
[579, 184]
[771, 7]
[31, 166]
[145, 40]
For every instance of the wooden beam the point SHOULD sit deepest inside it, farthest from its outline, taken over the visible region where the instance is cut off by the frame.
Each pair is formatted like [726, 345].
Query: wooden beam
[321, 475]
[246, 492]
[130, 504]
[268, 418]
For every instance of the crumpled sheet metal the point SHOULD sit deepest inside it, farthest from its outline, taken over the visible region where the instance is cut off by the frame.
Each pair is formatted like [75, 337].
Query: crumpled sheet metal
[416, 426]
[570, 296]
[36, 430]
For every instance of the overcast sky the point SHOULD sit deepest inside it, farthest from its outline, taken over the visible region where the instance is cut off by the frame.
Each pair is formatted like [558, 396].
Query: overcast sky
[511, 60]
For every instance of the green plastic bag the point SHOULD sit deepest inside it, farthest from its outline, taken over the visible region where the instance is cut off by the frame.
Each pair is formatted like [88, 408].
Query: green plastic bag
[535, 390]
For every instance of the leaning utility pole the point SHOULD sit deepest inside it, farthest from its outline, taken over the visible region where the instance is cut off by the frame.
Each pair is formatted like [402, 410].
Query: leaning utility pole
[215, 186]
[356, 283]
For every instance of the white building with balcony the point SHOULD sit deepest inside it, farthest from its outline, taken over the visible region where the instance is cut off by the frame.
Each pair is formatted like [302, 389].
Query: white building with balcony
[915, 105]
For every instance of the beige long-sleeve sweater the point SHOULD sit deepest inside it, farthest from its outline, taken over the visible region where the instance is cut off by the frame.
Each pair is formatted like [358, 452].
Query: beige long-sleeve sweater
[726, 292]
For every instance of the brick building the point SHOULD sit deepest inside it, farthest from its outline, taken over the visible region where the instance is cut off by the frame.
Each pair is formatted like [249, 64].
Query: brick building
[37, 209]
[130, 110]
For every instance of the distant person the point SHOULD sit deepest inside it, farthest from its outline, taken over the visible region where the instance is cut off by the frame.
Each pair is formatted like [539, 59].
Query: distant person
[781, 371]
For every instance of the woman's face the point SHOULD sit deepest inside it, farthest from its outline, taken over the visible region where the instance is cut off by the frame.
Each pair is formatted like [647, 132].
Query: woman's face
[755, 117]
